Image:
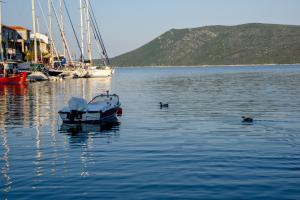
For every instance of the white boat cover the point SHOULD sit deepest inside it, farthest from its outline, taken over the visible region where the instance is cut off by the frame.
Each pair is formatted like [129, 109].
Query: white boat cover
[78, 104]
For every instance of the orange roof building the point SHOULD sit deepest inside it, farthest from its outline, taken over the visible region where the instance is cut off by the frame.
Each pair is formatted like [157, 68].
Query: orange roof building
[18, 28]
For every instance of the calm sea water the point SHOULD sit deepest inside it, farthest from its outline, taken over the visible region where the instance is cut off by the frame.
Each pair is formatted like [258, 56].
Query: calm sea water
[195, 149]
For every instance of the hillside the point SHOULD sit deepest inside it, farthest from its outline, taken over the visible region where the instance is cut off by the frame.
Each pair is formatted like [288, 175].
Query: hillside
[219, 45]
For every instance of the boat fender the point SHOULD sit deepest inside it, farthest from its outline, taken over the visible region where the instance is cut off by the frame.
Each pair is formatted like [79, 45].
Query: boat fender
[119, 111]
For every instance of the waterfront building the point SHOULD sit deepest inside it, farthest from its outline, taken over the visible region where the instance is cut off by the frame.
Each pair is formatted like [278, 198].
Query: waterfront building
[18, 44]
[15, 42]
[9, 43]
[23, 41]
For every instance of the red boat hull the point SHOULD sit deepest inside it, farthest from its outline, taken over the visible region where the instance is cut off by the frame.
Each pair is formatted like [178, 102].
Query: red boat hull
[14, 79]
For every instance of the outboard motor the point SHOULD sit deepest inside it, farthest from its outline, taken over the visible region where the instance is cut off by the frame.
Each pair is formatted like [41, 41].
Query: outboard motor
[74, 114]
[77, 107]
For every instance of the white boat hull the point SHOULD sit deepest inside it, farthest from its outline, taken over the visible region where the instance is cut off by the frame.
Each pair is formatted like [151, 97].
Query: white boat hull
[93, 72]
[76, 117]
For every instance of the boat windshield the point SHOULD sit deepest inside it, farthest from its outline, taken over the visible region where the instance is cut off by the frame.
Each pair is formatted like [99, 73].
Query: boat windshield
[104, 98]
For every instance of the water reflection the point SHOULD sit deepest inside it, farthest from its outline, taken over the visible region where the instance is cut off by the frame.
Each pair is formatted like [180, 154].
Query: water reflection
[28, 115]
[6, 90]
[38, 103]
[76, 129]
[81, 133]
[10, 111]
[6, 165]
[84, 137]
[200, 137]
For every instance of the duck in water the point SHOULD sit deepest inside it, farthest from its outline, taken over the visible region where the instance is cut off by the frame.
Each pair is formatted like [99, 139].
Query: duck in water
[163, 105]
[247, 119]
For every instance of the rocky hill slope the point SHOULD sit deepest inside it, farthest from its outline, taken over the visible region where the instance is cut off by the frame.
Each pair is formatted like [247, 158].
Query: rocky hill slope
[219, 45]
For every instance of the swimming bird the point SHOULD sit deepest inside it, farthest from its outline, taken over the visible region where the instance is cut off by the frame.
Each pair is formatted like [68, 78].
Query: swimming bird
[163, 105]
[247, 119]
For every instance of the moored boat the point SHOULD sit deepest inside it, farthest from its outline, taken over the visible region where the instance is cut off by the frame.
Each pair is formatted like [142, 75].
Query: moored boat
[53, 72]
[101, 109]
[14, 79]
[88, 68]
[98, 72]
[92, 72]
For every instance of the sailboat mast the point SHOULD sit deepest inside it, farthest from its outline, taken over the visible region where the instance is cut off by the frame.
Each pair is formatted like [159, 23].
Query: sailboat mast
[97, 34]
[50, 33]
[89, 33]
[81, 29]
[69, 17]
[34, 31]
[62, 20]
[62, 34]
[1, 47]
[38, 29]
[49, 27]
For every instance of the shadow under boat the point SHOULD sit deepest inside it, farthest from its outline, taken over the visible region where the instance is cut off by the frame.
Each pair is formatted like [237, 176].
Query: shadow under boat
[80, 133]
[90, 128]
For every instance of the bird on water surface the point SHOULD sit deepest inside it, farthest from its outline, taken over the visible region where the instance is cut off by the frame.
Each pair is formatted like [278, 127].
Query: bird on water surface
[247, 119]
[163, 105]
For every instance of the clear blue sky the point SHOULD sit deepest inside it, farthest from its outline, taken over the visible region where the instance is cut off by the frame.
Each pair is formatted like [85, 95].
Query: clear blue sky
[128, 24]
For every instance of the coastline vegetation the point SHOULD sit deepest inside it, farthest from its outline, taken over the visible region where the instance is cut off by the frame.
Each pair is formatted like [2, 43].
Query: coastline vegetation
[247, 44]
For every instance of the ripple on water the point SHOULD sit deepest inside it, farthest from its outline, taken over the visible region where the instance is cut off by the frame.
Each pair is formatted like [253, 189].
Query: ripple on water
[195, 149]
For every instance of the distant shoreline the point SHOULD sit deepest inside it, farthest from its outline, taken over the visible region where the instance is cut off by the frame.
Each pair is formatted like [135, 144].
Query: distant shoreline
[242, 65]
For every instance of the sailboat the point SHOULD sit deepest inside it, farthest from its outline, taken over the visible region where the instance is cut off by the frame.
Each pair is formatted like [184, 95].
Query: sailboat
[90, 70]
